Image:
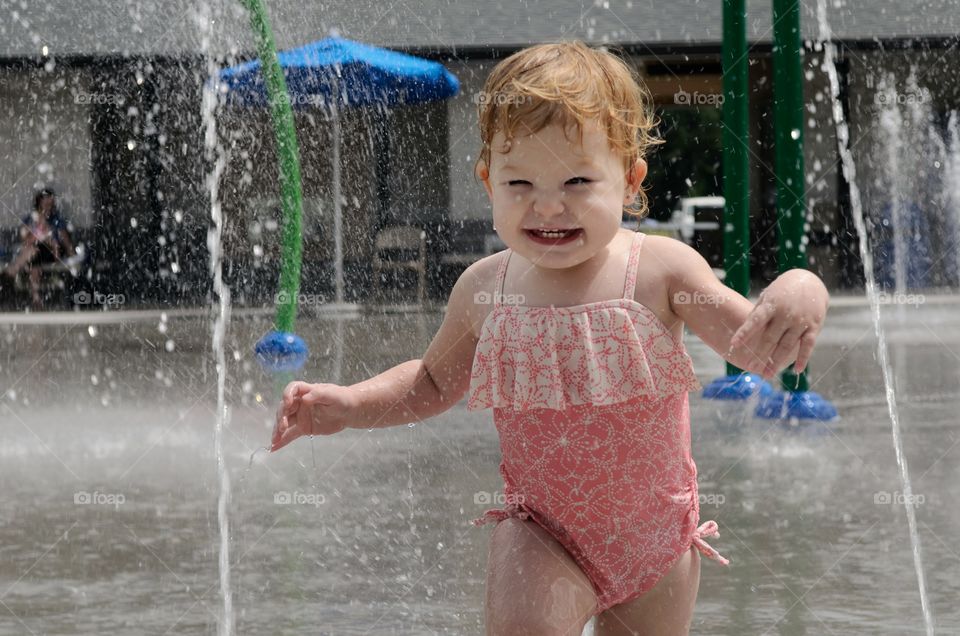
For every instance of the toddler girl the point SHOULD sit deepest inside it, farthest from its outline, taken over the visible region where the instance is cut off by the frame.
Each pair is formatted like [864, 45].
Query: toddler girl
[573, 336]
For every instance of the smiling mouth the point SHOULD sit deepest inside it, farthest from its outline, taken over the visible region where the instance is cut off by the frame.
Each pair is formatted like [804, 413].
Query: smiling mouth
[555, 234]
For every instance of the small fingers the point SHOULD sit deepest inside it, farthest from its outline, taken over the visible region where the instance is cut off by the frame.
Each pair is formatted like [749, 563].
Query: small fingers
[807, 342]
[292, 394]
[278, 431]
[753, 326]
[780, 357]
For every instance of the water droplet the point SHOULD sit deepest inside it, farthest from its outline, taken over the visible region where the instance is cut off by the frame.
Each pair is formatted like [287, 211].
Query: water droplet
[92, 330]
[169, 345]
[795, 133]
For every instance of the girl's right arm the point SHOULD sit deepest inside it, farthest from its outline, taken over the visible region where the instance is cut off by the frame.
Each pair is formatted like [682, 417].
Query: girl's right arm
[411, 391]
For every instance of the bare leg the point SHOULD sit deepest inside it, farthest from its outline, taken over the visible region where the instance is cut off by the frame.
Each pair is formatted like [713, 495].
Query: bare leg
[666, 610]
[35, 287]
[26, 253]
[534, 587]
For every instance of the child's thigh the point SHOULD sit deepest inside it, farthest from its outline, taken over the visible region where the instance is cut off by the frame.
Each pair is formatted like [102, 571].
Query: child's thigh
[666, 610]
[533, 584]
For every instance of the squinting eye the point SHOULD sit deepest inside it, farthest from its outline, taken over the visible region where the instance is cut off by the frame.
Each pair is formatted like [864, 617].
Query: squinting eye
[518, 182]
[579, 180]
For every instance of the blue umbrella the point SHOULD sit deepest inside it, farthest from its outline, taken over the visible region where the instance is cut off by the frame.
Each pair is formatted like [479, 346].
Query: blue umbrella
[356, 74]
[334, 73]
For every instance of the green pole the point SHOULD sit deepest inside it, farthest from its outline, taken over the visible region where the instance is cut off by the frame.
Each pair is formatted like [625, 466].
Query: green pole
[736, 167]
[288, 155]
[788, 123]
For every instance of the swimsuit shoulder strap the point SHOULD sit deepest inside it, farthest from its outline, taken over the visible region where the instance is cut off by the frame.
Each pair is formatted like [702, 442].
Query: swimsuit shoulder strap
[633, 263]
[501, 274]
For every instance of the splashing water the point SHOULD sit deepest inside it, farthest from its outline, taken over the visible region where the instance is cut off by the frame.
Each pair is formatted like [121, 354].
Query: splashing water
[215, 157]
[891, 123]
[849, 171]
[953, 176]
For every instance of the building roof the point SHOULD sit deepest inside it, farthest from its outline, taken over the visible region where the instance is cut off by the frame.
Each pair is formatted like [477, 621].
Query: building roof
[172, 27]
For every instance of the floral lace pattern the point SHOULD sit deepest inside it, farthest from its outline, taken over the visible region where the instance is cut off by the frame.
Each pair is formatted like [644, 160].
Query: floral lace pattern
[591, 406]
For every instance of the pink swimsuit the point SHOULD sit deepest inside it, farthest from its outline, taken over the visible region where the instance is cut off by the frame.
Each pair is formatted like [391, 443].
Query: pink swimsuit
[590, 402]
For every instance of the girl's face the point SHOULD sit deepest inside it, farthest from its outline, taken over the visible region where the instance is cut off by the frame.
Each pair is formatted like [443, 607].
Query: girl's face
[548, 181]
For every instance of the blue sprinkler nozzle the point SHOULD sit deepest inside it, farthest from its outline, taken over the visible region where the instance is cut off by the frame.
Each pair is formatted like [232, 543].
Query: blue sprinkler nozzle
[281, 351]
[802, 405]
[737, 387]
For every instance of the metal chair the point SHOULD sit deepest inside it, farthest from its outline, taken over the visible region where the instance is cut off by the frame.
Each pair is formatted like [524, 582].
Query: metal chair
[405, 239]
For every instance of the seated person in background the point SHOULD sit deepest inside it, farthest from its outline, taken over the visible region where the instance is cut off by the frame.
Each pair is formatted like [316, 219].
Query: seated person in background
[44, 239]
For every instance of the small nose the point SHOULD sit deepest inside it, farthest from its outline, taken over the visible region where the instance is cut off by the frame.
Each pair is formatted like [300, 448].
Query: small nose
[548, 204]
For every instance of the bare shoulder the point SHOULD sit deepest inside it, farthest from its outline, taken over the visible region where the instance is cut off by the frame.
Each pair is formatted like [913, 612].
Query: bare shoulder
[662, 261]
[667, 248]
[474, 290]
[677, 260]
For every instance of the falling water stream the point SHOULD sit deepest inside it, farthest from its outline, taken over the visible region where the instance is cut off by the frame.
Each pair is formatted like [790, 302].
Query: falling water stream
[850, 174]
[216, 160]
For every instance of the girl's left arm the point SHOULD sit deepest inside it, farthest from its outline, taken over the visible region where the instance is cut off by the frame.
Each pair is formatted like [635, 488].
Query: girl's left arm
[764, 338]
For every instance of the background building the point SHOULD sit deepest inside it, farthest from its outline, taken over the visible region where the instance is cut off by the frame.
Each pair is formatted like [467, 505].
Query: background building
[102, 100]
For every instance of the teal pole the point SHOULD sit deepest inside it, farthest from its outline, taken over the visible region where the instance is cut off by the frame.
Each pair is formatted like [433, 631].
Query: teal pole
[736, 167]
[788, 124]
[288, 155]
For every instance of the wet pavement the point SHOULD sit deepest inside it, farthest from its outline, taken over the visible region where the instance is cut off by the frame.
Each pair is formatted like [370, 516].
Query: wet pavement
[108, 486]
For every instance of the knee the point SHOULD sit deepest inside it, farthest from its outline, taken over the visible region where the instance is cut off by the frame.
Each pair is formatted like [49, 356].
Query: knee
[531, 623]
[559, 610]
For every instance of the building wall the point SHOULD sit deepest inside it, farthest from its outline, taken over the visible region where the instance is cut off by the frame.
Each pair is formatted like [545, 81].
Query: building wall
[45, 133]
[821, 166]
[57, 123]
[468, 199]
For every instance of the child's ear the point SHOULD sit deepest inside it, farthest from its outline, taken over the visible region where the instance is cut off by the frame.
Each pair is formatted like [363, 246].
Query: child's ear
[483, 173]
[635, 177]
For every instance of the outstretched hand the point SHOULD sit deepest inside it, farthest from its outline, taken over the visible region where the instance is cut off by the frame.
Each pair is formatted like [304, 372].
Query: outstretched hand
[784, 325]
[311, 409]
